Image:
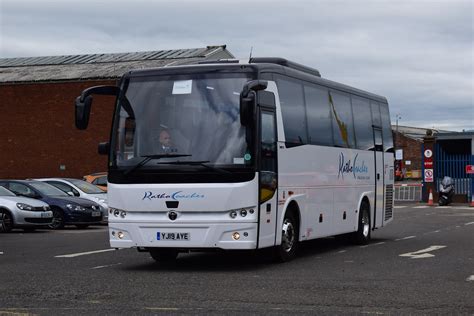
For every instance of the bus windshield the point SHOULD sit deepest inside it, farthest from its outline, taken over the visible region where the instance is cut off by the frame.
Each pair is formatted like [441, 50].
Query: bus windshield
[185, 121]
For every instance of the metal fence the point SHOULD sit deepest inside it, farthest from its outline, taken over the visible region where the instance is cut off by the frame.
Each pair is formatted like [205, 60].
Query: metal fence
[408, 192]
[454, 166]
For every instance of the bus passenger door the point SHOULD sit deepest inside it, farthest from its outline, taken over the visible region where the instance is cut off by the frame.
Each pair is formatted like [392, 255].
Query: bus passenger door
[268, 178]
[377, 217]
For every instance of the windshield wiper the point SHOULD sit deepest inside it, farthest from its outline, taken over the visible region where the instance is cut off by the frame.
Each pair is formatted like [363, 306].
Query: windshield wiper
[195, 163]
[150, 157]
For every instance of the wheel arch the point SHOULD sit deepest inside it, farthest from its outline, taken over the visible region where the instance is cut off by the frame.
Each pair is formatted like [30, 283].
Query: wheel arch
[291, 205]
[365, 197]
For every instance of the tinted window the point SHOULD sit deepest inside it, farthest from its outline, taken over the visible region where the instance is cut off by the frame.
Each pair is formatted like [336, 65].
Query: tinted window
[21, 189]
[87, 187]
[342, 125]
[293, 112]
[100, 181]
[5, 192]
[318, 115]
[61, 186]
[376, 120]
[47, 189]
[362, 123]
[386, 128]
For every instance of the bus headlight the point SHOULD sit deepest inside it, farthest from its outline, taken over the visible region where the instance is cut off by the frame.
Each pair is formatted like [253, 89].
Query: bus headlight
[243, 212]
[233, 214]
[117, 212]
[236, 236]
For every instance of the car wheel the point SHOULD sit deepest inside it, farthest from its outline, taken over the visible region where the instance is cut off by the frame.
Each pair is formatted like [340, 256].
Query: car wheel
[58, 219]
[362, 235]
[82, 226]
[6, 221]
[164, 255]
[286, 251]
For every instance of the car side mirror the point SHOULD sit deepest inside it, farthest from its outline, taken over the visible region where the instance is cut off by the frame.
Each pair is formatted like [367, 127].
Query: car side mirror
[70, 193]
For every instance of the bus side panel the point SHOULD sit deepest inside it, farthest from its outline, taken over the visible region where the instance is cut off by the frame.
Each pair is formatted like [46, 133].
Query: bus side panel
[332, 180]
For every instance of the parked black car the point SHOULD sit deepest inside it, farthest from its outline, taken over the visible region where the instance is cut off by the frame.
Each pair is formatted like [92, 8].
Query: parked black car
[67, 210]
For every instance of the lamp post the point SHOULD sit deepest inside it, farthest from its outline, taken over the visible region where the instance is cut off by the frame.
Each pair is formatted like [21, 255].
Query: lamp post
[398, 117]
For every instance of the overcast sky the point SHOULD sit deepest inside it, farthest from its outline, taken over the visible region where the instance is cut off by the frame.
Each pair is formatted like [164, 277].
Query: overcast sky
[417, 53]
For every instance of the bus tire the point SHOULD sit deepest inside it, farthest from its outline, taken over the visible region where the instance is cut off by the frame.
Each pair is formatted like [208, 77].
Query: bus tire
[286, 251]
[164, 255]
[362, 235]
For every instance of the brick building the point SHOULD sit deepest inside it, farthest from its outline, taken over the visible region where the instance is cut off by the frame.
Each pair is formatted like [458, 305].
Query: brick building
[411, 155]
[38, 136]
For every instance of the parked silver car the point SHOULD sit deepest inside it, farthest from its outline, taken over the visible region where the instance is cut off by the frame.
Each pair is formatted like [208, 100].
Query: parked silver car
[22, 212]
[83, 189]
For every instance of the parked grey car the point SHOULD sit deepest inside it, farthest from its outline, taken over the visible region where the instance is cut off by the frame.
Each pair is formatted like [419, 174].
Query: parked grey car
[22, 212]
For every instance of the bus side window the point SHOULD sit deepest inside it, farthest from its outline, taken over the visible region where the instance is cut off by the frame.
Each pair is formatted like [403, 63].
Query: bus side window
[342, 124]
[386, 128]
[293, 112]
[319, 115]
[362, 123]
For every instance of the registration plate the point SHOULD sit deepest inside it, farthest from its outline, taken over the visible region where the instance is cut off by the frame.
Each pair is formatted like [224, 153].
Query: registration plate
[173, 236]
[46, 214]
[95, 214]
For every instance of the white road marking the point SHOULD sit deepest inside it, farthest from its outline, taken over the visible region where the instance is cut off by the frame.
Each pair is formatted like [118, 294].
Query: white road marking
[400, 206]
[422, 253]
[471, 278]
[106, 266]
[83, 253]
[342, 251]
[365, 246]
[405, 238]
[443, 207]
[379, 243]
[422, 206]
[1, 252]
[470, 223]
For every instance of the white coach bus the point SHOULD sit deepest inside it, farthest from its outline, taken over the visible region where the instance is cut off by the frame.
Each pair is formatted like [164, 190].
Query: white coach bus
[231, 155]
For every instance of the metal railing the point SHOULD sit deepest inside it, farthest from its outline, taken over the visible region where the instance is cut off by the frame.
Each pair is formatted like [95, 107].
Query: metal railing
[408, 192]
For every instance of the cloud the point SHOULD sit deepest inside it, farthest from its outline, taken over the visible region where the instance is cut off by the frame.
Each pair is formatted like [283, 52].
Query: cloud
[419, 54]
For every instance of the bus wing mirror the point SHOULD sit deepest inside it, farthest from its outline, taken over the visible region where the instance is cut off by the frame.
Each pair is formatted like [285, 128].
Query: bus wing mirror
[83, 110]
[104, 148]
[266, 99]
[247, 108]
[84, 101]
[248, 100]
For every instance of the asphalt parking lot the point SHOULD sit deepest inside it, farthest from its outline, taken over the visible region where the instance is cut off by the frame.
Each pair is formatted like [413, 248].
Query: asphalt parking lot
[422, 263]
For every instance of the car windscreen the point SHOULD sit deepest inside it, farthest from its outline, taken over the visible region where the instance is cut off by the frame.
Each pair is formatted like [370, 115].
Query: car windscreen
[5, 192]
[86, 187]
[47, 189]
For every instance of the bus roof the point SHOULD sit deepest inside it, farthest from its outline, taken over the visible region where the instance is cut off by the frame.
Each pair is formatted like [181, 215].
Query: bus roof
[261, 65]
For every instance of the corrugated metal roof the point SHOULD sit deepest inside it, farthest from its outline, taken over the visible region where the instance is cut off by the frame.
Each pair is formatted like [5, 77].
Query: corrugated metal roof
[99, 66]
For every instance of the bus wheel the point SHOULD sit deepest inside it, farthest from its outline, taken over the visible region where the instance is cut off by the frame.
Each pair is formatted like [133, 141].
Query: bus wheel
[164, 255]
[286, 251]
[362, 235]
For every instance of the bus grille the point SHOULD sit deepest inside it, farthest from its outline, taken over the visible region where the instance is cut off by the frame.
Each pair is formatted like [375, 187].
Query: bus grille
[388, 202]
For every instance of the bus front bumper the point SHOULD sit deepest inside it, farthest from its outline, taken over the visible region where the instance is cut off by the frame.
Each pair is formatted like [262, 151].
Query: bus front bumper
[184, 236]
